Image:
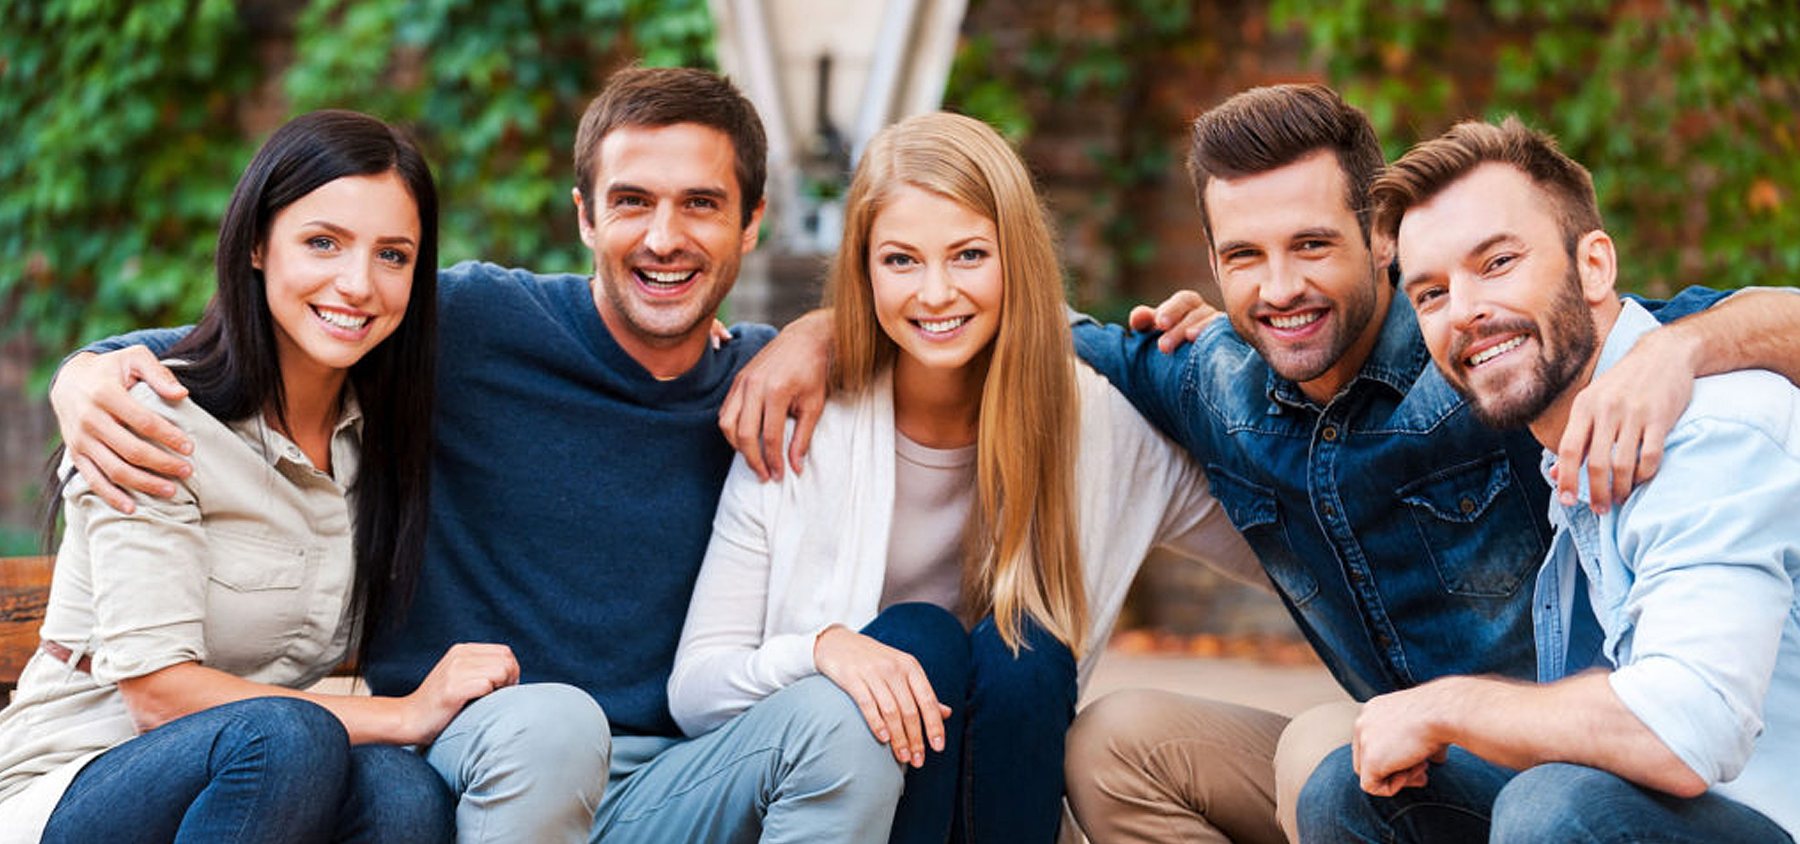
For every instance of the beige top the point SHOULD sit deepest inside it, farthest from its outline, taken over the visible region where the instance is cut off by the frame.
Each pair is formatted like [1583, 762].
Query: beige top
[248, 569]
[934, 492]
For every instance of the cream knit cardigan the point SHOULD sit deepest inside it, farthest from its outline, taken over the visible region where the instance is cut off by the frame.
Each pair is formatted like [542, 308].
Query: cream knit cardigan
[789, 558]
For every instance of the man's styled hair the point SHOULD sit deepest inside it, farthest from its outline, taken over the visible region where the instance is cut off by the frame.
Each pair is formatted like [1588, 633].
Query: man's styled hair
[1263, 129]
[1433, 165]
[664, 96]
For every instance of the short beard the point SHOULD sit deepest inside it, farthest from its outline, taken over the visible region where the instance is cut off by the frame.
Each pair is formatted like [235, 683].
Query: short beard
[1572, 329]
[1353, 316]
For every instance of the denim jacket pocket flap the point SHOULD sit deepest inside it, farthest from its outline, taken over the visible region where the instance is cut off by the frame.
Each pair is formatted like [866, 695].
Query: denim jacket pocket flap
[1460, 493]
[1246, 504]
[246, 563]
[1476, 526]
[1253, 509]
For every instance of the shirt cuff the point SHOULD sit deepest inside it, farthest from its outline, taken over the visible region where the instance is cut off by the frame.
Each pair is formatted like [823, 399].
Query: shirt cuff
[1695, 721]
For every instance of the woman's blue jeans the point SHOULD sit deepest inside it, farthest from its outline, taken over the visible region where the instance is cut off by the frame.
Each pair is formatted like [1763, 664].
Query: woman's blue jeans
[1000, 776]
[260, 770]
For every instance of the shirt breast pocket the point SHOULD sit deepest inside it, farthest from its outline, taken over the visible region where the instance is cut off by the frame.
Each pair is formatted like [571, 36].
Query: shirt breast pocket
[1256, 513]
[247, 563]
[1476, 527]
[256, 606]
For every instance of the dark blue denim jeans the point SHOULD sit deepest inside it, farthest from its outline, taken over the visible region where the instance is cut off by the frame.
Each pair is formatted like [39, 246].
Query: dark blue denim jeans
[259, 770]
[999, 777]
[1468, 799]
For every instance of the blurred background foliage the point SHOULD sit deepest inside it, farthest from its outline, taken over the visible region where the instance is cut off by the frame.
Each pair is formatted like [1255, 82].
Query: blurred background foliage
[123, 126]
[127, 123]
[1684, 111]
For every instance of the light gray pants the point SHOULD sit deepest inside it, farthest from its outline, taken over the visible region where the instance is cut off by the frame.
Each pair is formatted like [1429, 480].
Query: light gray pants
[538, 763]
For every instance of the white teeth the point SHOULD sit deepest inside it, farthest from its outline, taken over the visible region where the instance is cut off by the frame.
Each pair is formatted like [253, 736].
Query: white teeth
[941, 326]
[1492, 352]
[1307, 318]
[668, 277]
[344, 321]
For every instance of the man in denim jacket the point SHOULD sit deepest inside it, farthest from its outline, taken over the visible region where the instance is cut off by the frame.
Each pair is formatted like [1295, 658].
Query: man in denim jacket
[1401, 532]
[1691, 729]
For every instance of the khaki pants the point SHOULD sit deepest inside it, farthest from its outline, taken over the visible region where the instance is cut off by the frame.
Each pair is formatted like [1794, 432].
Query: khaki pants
[1145, 765]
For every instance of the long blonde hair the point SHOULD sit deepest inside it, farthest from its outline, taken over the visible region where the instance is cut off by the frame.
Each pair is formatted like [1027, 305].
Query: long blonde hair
[1023, 556]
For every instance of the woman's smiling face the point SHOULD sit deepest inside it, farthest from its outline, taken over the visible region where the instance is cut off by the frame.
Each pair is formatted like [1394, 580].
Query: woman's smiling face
[338, 269]
[935, 268]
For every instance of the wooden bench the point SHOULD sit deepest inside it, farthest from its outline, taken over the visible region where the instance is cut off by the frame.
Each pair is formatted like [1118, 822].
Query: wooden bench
[24, 593]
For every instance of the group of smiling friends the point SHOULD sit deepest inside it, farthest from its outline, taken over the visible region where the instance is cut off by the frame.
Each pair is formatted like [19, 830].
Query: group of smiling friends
[614, 573]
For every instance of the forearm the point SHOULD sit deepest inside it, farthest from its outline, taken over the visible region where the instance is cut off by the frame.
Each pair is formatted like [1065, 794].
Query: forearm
[158, 340]
[1579, 720]
[185, 688]
[1757, 328]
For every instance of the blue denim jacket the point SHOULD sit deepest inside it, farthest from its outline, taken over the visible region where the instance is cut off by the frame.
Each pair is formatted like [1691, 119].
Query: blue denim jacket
[1403, 535]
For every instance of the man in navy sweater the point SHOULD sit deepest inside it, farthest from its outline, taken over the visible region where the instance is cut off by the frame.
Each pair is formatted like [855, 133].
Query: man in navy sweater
[577, 465]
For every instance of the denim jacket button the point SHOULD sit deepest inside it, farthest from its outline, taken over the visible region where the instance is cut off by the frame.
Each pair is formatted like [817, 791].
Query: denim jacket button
[1329, 434]
[1467, 505]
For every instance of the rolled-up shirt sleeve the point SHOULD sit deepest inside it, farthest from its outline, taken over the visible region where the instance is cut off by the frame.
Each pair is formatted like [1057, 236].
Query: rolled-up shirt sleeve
[1711, 592]
[149, 571]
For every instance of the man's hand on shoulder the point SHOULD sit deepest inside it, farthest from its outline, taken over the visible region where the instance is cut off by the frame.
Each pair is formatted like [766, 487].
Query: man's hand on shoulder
[1180, 318]
[787, 378]
[112, 439]
[1619, 422]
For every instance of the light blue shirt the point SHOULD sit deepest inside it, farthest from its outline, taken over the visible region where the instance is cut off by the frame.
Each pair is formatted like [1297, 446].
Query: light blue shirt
[1692, 581]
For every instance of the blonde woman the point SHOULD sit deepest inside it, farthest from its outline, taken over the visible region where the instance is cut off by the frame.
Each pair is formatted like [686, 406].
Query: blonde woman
[973, 511]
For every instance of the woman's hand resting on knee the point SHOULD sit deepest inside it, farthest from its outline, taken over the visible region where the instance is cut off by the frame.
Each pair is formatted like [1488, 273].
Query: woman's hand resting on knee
[466, 671]
[888, 686]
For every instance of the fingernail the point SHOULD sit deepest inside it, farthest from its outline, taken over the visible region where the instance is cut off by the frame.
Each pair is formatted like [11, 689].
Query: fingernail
[937, 743]
[1567, 499]
[186, 447]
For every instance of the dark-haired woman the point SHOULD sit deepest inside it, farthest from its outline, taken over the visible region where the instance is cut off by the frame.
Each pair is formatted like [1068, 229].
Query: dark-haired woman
[165, 702]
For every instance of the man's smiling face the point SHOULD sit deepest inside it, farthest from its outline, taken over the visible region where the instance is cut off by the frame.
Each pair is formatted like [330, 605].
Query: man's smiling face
[1500, 300]
[1300, 283]
[664, 224]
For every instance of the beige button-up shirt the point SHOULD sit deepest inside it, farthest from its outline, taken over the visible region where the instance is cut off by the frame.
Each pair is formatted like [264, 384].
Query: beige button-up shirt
[248, 569]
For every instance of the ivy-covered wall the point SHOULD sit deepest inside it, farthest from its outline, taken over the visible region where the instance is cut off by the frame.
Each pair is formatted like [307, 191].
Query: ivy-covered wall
[123, 126]
[1685, 112]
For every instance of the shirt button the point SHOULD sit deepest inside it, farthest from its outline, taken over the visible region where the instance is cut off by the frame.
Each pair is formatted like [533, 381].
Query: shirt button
[1329, 434]
[1467, 505]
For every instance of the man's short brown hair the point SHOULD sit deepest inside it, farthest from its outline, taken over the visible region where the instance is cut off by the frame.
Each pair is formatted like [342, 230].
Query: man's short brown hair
[1268, 128]
[1433, 165]
[664, 96]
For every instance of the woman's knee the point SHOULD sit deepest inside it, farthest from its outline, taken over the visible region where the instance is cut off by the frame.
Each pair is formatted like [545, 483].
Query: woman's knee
[298, 733]
[933, 636]
[394, 795]
[1041, 671]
